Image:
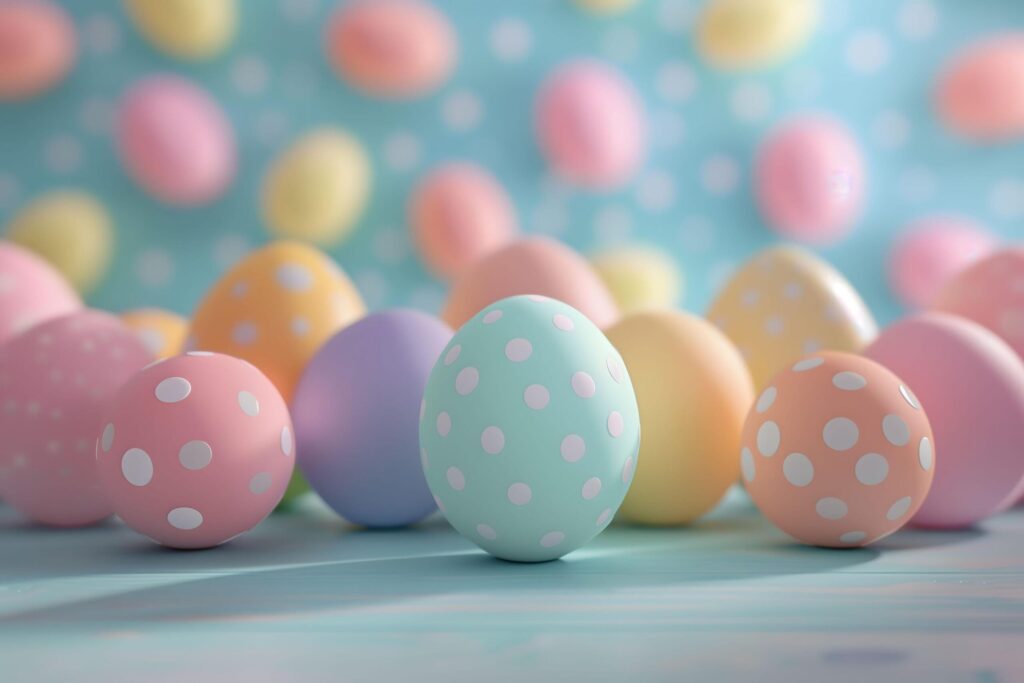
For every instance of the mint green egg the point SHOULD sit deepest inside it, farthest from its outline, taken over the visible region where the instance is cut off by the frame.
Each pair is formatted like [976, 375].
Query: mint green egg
[529, 430]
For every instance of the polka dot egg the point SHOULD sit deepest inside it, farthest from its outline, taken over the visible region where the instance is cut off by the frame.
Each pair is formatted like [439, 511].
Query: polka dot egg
[837, 451]
[529, 429]
[195, 450]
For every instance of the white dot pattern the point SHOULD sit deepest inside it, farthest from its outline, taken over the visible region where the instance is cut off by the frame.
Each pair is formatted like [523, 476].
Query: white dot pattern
[767, 399]
[518, 350]
[137, 467]
[195, 455]
[466, 381]
[768, 438]
[519, 494]
[584, 385]
[798, 469]
[248, 403]
[872, 469]
[173, 390]
[747, 466]
[493, 440]
[841, 434]
[831, 508]
[573, 448]
[536, 396]
[896, 430]
[185, 518]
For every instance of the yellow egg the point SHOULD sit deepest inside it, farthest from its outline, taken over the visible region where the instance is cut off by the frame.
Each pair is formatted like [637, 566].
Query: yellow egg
[71, 230]
[639, 277]
[753, 34]
[186, 29]
[317, 189]
[163, 333]
[605, 7]
[694, 392]
[785, 303]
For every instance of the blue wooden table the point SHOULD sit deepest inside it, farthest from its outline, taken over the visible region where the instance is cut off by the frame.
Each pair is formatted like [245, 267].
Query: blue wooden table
[306, 598]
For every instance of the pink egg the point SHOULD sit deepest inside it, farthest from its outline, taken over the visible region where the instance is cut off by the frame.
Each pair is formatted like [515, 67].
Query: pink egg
[56, 379]
[930, 252]
[31, 291]
[810, 180]
[972, 386]
[591, 126]
[175, 141]
[459, 213]
[37, 47]
[980, 93]
[391, 48]
[195, 450]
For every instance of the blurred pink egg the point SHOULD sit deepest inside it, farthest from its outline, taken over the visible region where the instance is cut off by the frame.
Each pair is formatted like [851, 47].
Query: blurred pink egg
[591, 125]
[31, 291]
[37, 47]
[930, 252]
[459, 213]
[971, 385]
[980, 93]
[810, 179]
[535, 265]
[175, 141]
[57, 378]
[391, 48]
[195, 450]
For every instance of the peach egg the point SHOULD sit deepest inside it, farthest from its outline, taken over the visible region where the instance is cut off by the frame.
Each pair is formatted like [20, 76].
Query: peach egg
[163, 333]
[31, 291]
[980, 93]
[837, 451]
[753, 34]
[37, 47]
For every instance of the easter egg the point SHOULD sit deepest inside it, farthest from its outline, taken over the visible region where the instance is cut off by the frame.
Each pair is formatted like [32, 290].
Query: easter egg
[972, 386]
[187, 29]
[991, 293]
[195, 450]
[316, 189]
[605, 7]
[529, 430]
[534, 265]
[69, 229]
[931, 252]
[693, 390]
[591, 125]
[837, 451]
[397, 49]
[810, 180]
[31, 291]
[458, 213]
[754, 34]
[175, 141]
[357, 417]
[785, 303]
[56, 379]
[163, 333]
[38, 47]
[980, 92]
[639, 277]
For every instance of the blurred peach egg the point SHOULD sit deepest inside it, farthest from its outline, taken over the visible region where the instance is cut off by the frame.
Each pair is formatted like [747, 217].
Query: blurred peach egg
[37, 47]
[162, 333]
[980, 93]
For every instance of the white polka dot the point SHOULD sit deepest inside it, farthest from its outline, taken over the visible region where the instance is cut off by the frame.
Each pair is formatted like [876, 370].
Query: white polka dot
[747, 464]
[466, 381]
[299, 326]
[849, 381]
[260, 483]
[518, 350]
[767, 399]
[898, 509]
[137, 467]
[248, 403]
[244, 333]
[792, 290]
[917, 19]
[294, 277]
[519, 494]
[492, 317]
[493, 440]
[486, 531]
[456, 479]
[173, 389]
[583, 384]
[573, 448]
[453, 354]
[896, 430]
[852, 537]
[615, 370]
[867, 51]
[615, 423]
[462, 111]
[909, 397]
[750, 297]
[195, 455]
[798, 469]
[656, 191]
[627, 470]
[444, 423]
[676, 81]
[286, 440]
[552, 538]
[563, 322]
[591, 487]
[536, 396]
[751, 102]
[773, 326]
[108, 438]
[511, 39]
[924, 453]
[872, 469]
[831, 508]
[185, 519]
[841, 433]
[152, 339]
[768, 436]
[604, 517]
[808, 364]
[720, 174]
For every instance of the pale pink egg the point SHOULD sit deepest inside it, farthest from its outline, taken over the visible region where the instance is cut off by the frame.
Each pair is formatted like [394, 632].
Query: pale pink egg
[972, 386]
[459, 213]
[31, 291]
[175, 141]
[810, 179]
[535, 265]
[56, 380]
[833, 451]
[980, 93]
[391, 48]
[591, 125]
[37, 47]
[930, 252]
[195, 450]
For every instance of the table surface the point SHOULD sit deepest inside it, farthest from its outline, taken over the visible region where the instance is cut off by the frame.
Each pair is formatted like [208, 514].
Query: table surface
[306, 598]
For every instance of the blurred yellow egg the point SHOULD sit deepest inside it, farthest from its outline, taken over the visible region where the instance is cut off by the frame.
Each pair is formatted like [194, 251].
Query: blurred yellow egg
[694, 392]
[786, 303]
[639, 277]
[163, 333]
[186, 29]
[71, 230]
[753, 34]
[605, 7]
[316, 190]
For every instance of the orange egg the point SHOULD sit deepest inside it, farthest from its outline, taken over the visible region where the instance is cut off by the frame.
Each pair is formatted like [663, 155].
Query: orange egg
[162, 333]
[37, 47]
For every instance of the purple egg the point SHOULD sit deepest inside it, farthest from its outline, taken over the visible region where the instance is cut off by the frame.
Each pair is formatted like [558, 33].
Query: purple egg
[356, 415]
